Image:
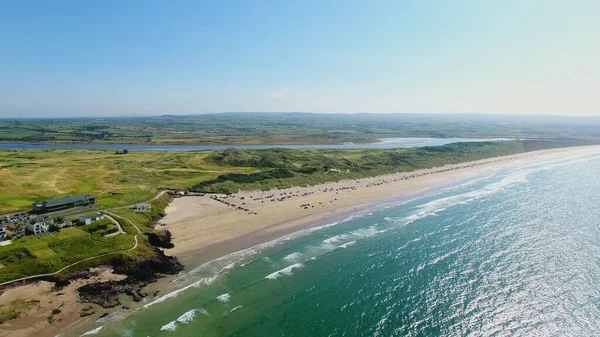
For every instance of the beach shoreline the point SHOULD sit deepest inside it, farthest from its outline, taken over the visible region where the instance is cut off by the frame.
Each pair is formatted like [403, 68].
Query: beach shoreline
[205, 228]
[208, 227]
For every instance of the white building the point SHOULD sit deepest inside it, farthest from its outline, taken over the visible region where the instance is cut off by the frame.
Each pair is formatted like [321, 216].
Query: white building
[142, 207]
[38, 226]
[87, 220]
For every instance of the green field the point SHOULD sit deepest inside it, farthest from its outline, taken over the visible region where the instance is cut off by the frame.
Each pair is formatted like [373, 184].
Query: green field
[31, 256]
[288, 128]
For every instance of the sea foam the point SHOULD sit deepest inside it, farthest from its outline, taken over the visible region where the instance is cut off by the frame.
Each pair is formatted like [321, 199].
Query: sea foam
[285, 271]
[293, 257]
[203, 281]
[224, 298]
[171, 326]
[347, 244]
[188, 316]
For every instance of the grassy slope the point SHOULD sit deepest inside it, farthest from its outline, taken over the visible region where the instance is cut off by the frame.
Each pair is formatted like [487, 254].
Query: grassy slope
[28, 176]
[117, 180]
[30, 256]
[286, 168]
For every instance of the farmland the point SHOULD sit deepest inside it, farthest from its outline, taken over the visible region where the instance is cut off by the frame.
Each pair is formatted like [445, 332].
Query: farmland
[285, 128]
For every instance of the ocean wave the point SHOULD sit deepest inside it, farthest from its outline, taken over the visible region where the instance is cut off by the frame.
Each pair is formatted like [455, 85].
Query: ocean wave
[433, 207]
[236, 308]
[347, 244]
[285, 271]
[224, 298]
[293, 257]
[201, 282]
[171, 326]
[227, 267]
[336, 239]
[186, 318]
[189, 316]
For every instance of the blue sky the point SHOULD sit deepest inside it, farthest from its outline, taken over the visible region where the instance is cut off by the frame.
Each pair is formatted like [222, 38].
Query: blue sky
[95, 58]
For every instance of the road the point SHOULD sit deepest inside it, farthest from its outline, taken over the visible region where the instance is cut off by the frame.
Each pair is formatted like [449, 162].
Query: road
[120, 229]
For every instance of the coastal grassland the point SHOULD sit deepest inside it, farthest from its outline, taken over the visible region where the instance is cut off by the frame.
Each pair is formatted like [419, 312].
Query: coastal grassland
[117, 180]
[145, 220]
[31, 256]
[284, 168]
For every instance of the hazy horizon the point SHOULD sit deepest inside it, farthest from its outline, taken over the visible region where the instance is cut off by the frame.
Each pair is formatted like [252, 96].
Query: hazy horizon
[107, 59]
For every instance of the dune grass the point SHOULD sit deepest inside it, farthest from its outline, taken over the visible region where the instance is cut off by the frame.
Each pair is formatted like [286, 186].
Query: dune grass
[117, 180]
[284, 168]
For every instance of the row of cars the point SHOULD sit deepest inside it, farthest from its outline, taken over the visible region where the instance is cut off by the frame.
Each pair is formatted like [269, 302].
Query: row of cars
[15, 218]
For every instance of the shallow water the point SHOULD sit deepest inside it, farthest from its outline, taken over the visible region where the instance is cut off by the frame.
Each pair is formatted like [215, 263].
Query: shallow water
[514, 253]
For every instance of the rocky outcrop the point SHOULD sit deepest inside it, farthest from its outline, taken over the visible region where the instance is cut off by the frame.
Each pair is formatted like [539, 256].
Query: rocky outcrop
[139, 274]
[160, 239]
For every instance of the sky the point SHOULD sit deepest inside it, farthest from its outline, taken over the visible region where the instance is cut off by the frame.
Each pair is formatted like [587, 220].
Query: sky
[123, 58]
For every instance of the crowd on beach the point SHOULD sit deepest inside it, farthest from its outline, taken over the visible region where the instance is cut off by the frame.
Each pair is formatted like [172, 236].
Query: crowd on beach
[281, 196]
[232, 205]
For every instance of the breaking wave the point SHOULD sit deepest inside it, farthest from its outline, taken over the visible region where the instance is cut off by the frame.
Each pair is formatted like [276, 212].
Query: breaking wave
[285, 271]
[224, 298]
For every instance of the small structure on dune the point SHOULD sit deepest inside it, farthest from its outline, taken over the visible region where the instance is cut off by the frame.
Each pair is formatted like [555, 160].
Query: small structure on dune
[87, 220]
[141, 207]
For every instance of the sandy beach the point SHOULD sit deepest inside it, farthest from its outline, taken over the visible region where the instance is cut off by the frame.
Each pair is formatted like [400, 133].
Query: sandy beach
[211, 226]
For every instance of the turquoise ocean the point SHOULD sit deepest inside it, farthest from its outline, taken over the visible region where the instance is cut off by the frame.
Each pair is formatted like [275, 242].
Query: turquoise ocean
[515, 252]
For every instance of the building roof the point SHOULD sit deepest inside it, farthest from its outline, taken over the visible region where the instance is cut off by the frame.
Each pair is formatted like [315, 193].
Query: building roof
[62, 201]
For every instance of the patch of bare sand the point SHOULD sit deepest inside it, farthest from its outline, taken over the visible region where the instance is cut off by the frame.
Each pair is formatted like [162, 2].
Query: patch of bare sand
[60, 307]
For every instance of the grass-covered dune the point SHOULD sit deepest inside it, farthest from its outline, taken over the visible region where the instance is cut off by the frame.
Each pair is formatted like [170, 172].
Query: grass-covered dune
[118, 180]
[284, 168]
[124, 179]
